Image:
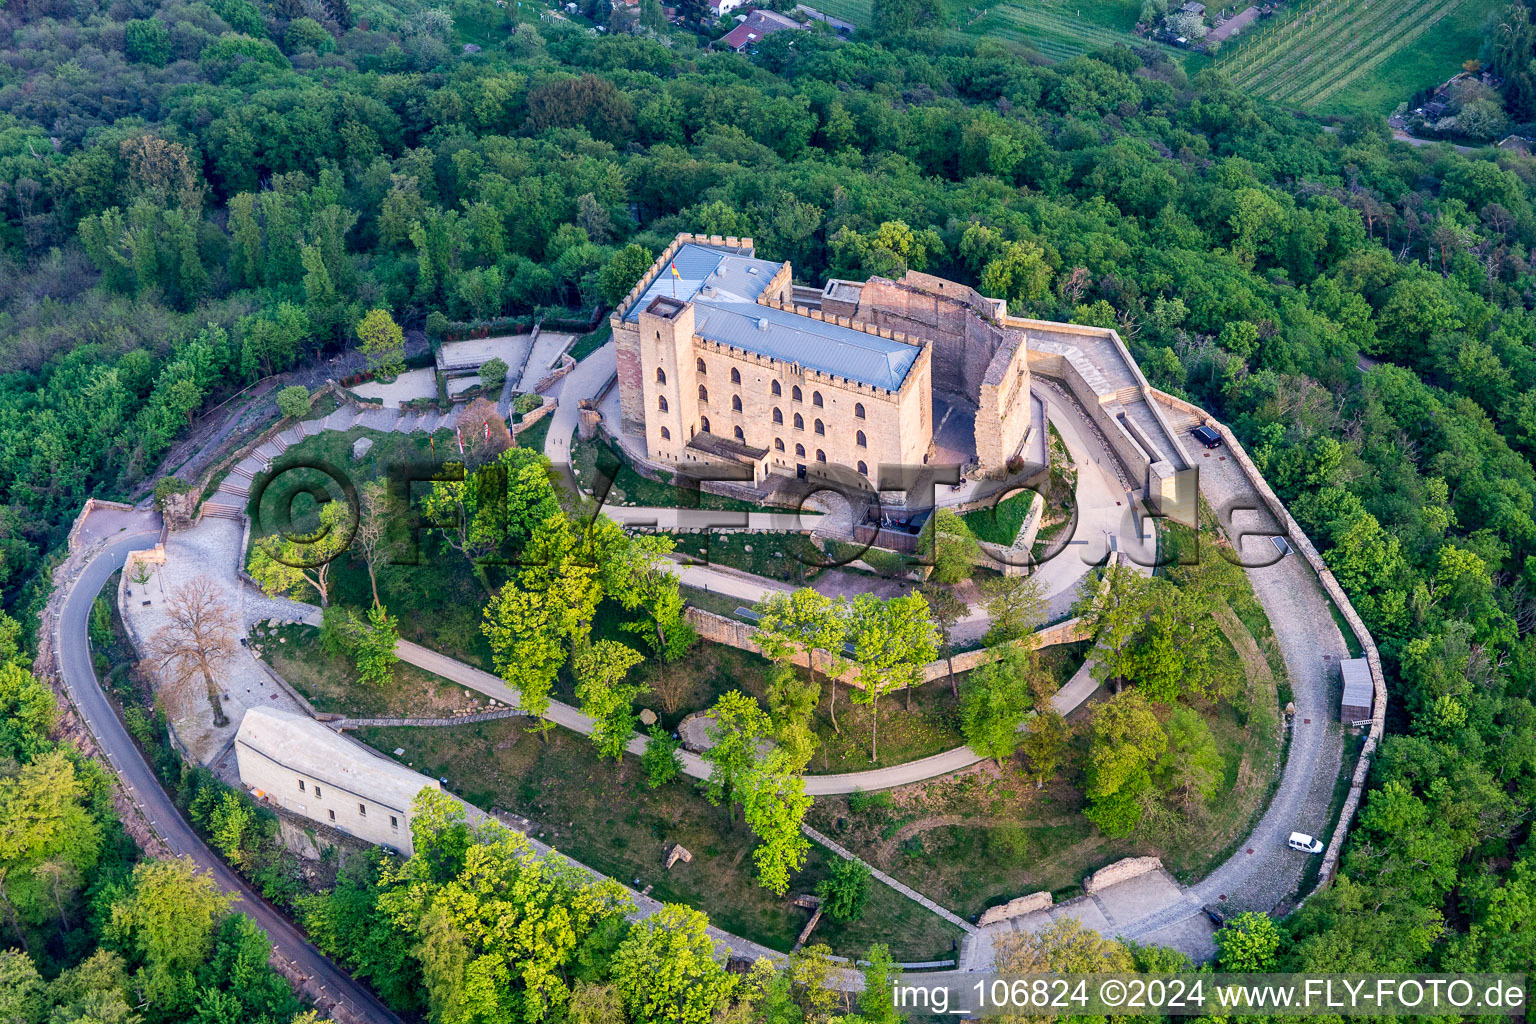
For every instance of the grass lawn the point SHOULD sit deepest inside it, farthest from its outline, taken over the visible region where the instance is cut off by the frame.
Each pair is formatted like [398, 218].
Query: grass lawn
[589, 343]
[1431, 58]
[630, 488]
[535, 435]
[330, 682]
[1000, 523]
[605, 816]
[932, 835]
[439, 598]
[778, 556]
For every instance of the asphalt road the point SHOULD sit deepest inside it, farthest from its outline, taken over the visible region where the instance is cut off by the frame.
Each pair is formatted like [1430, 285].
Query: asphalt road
[124, 756]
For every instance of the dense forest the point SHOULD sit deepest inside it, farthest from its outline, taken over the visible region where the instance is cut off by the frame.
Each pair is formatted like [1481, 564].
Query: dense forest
[194, 195]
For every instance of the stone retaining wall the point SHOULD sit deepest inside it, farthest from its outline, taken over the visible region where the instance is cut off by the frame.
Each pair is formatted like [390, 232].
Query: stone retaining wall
[1015, 908]
[531, 418]
[1121, 871]
[1302, 544]
[735, 633]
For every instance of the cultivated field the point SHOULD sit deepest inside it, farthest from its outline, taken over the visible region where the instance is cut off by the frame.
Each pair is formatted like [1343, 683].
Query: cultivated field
[1345, 55]
[1059, 29]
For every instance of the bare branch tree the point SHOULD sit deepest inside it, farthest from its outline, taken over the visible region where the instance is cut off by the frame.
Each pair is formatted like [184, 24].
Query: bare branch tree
[199, 637]
[372, 526]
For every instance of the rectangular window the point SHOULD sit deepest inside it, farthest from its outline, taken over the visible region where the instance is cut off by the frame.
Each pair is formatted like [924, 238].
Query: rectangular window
[333, 815]
[317, 792]
[393, 822]
[362, 810]
[301, 785]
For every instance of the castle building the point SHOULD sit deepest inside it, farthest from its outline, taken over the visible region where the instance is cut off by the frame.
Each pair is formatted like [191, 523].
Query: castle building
[722, 359]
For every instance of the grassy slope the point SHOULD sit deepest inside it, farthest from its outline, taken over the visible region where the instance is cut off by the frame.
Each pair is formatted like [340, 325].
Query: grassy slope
[605, 816]
[1433, 57]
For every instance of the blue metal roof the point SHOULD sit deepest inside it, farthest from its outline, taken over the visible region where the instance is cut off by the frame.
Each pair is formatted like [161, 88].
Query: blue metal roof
[727, 275]
[816, 344]
[724, 288]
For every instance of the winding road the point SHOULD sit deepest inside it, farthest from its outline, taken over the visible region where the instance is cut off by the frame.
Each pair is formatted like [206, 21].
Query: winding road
[73, 645]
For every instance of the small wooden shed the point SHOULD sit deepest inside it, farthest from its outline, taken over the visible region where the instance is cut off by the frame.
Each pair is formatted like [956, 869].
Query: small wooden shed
[1359, 692]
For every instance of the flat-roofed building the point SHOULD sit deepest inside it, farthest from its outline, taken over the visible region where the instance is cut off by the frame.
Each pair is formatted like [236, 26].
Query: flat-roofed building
[298, 764]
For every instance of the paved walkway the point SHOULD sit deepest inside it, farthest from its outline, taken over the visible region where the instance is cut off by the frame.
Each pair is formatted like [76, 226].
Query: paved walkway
[210, 549]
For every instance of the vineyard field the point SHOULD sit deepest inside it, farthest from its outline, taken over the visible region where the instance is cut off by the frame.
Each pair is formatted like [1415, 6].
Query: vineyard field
[1062, 30]
[1341, 56]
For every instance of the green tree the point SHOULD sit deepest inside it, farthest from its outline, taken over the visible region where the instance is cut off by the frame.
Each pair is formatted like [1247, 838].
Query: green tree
[623, 270]
[951, 545]
[167, 918]
[382, 342]
[737, 729]
[892, 641]
[1127, 743]
[527, 646]
[661, 761]
[282, 564]
[493, 373]
[806, 622]
[293, 401]
[774, 803]
[667, 970]
[1045, 744]
[1248, 944]
[845, 889]
[600, 671]
[993, 704]
[147, 41]
[1015, 607]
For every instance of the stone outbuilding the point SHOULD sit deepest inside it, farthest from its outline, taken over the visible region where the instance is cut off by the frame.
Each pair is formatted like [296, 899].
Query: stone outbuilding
[294, 762]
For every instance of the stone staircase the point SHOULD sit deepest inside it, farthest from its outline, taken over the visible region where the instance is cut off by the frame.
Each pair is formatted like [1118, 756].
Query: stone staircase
[220, 510]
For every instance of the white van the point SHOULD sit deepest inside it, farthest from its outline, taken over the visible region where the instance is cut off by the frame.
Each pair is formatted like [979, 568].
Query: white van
[1305, 843]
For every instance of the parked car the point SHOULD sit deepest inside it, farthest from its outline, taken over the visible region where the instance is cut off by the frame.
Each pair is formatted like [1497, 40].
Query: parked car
[1207, 437]
[1305, 843]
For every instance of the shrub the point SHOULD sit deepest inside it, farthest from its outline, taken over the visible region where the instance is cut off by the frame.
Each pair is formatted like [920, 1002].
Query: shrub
[167, 486]
[524, 404]
[860, 802]
[660, 760]
[493, 374]
[293, 401]
[845, 889]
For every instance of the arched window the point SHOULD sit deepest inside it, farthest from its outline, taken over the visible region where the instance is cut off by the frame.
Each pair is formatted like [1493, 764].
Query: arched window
[704, 424]
[735, 375]
[859, 440]
[778, 444]
[816, 399]
[661, 403]
[799, 451]
[739, 435]
[794, 392]
[661, 375]
[666, 435]
[703, 393]
[820, 429]
[799, 422]
[736, 403]
[778, 417]
[776, 390]
[699, 364]
[821, 456]
[858, 410]
[863, 469]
